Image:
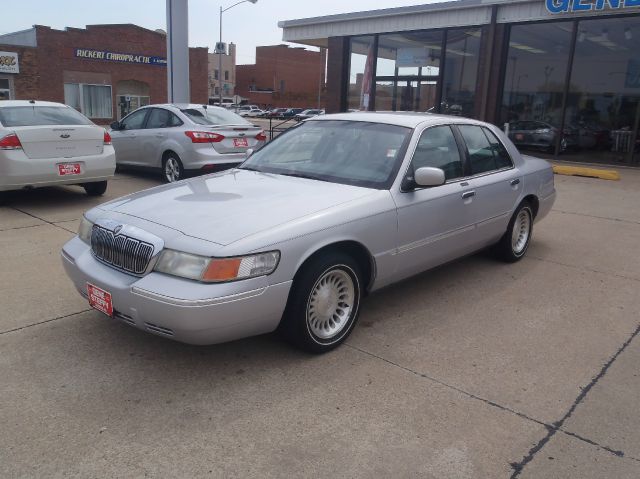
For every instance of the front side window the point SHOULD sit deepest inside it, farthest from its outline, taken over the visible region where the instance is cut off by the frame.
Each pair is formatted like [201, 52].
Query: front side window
[135, 120]
[437, 148]
[348, 152]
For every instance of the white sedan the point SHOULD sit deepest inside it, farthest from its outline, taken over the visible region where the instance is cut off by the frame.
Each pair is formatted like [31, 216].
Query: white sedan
[46, 144]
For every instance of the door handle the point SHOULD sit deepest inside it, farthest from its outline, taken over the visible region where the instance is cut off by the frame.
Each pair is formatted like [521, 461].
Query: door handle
[468, 194]
[515, 182]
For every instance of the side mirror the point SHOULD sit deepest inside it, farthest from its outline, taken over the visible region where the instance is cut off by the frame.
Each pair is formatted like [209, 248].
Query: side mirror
[429, 176]
[248, 153]
[115, 125]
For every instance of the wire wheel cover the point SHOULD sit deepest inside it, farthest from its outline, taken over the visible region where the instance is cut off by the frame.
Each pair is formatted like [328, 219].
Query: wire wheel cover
[331, 304]
[521, 231]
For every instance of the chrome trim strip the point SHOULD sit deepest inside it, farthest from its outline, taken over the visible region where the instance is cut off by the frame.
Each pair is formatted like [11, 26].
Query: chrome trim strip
[196, 302]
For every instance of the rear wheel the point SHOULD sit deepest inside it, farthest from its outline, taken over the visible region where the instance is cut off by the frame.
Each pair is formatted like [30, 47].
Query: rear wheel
[324, 303]
[172, 169]
[96, 188]
[515, 242]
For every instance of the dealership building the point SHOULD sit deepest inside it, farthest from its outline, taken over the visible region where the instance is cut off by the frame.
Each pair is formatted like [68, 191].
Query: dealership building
[563, 76]
[105, 71]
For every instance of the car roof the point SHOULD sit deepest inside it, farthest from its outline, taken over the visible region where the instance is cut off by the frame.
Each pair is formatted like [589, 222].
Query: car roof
[6, 103]
[405, 118]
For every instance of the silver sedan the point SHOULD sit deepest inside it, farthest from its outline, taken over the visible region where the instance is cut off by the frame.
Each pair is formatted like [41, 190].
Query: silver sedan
[183, 138]
[295, 237]
[46, 144]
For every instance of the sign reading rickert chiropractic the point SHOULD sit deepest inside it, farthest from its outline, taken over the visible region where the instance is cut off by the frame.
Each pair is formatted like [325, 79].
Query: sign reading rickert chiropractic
[9, 62]
[564, 6]
[119, 57]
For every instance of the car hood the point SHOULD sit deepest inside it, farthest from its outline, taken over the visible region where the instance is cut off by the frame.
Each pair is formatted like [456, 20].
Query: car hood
[229, 206]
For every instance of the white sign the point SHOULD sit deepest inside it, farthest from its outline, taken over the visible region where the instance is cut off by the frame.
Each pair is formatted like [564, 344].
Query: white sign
[412, 57]
[9, 62]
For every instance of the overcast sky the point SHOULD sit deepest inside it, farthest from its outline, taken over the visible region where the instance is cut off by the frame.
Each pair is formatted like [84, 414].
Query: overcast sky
[246, 25]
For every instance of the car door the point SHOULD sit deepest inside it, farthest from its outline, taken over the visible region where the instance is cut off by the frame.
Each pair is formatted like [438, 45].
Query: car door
[125, 140]
[160, 124]
[495, 183]
[433, 223]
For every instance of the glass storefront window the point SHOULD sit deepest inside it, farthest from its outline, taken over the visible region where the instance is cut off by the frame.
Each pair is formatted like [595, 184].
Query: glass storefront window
[603, 106]
[94, 101]
[5, 89]
[534, 81]
[413, 53]
[460, 71]
[361, 72]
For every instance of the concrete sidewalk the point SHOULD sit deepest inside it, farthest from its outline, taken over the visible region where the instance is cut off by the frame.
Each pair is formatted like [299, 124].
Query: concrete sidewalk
[475, 370]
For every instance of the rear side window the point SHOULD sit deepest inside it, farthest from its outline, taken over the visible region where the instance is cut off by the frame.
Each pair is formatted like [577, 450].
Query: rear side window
[159, 118]
[41, 116]
[481, 157]
[503, 160]
[437, 148]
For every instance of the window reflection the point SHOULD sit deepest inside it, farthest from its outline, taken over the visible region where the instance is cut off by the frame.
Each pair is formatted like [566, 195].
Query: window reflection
[460, 72]
[534, 84]
[603, 109]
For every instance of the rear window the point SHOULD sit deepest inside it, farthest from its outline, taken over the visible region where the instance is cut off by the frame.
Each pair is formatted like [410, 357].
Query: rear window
[212, 116]
[41, 116]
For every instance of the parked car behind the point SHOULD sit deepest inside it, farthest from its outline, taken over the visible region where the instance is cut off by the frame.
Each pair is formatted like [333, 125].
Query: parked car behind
[184, 138]
[249, 110]
[46, 144]
[541, 135]
[296, 236]
[276, 112]
[290, 113]
[303, 115]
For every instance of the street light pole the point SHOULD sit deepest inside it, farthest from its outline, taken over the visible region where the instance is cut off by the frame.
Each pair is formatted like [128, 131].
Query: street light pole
[220, 45]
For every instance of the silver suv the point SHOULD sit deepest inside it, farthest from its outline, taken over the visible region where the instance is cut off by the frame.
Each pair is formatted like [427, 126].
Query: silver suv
[183, 138]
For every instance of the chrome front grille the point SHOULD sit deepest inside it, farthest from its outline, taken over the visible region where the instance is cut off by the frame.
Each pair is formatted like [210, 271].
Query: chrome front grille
[120, 251]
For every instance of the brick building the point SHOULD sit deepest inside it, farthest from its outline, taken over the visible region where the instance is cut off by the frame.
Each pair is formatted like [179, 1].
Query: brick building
[225, 79]
[105, 71]
[283, 77]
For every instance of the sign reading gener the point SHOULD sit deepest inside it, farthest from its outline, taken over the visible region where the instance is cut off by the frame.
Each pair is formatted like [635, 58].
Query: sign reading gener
[119, 57]
[9, 62]
[563, 6]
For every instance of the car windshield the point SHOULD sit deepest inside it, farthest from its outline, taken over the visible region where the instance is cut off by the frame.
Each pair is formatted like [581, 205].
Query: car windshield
[41, 116]
[349, 152]
[212, 116]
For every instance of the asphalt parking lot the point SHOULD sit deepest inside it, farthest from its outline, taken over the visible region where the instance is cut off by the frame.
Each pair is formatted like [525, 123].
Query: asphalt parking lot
[475, 370]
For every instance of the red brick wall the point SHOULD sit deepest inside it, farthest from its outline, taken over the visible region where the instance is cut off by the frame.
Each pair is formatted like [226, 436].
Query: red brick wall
[26, 84]
[299, 69]
[55, 54]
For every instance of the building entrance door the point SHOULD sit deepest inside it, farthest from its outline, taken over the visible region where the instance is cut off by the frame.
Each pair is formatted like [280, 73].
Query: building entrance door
[415, 95]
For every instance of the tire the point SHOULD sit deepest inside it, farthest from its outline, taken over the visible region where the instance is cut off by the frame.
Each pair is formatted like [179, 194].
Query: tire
[324, 303]
[172, 169]
[514, 243]
[96, 188]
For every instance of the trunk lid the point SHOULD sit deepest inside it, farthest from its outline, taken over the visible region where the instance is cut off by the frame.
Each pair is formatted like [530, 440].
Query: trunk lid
[237, 138]
[60, 141]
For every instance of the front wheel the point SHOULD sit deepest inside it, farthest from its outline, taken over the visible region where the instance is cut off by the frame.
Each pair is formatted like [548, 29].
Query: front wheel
[172, 169]
[96, 188]
[324, 303]
[513, 245]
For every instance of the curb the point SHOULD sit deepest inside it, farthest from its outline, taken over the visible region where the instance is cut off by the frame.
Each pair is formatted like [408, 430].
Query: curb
[587, 172]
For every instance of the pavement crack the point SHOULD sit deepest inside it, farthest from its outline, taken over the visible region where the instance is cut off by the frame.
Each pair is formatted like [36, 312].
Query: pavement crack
[518, 467]
[42, 219]
[44, 322]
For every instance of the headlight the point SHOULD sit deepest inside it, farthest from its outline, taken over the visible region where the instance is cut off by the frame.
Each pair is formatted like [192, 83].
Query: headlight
[216, 270]
[84, 230]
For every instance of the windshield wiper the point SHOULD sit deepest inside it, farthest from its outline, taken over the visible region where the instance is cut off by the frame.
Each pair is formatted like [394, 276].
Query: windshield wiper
[302, 175]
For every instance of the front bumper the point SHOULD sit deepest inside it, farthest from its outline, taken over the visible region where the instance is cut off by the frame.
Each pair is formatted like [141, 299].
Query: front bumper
[209, 314]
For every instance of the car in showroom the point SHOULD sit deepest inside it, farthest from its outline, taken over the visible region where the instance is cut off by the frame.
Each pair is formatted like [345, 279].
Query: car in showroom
[541, 135]
[179, 139]
[47, 144]
[294, 238]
